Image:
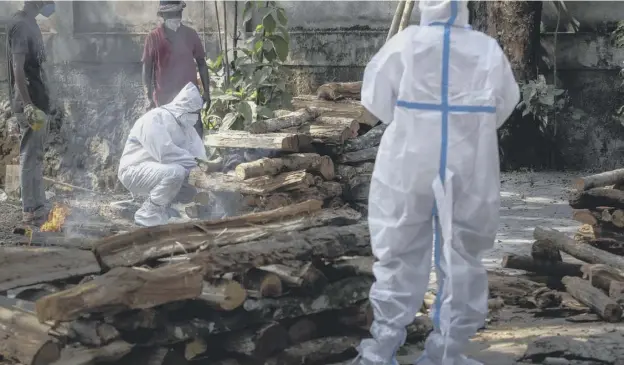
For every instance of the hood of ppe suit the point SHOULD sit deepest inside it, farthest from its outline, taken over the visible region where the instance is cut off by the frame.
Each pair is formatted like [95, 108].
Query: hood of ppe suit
[444, 11]
[188, 100]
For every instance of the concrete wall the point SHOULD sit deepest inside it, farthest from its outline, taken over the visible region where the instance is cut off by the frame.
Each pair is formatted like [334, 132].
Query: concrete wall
[95, 49]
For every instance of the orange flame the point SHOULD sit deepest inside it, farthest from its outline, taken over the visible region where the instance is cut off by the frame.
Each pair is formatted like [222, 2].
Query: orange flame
[56, 218]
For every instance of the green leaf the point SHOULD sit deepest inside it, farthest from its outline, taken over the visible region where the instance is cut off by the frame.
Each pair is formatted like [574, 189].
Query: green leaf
[258, 46]
[229, 119]
[248, 11]
[225, 97]
[259, 28]
[245, 110]
[264, 112]
[268, 45]
[261, 75]
[558, 92]
[271, 55]
[281, 16]
[548, 99]
[269, 23]
[281, 47]
[285, 34]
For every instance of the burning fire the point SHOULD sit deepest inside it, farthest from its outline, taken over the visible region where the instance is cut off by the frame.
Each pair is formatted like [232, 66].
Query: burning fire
[56, 218]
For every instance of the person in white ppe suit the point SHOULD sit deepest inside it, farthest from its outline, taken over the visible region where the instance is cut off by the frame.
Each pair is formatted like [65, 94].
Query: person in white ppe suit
[443, 89]
[161, 149]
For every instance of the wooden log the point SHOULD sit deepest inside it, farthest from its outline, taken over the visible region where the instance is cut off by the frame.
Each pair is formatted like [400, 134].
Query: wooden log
[225, 295]
[151, 243]
[581, 251]
[123, 289]
[317, 351]
[600, 180]
[342, 108]
[514, 290]
[544, 298]
[543, 251]
[553, 269]
[347, 172]
[286, 142]
[315, 243]
[324, 191]
[154, 356]
[292, 119]
[215, 165]
[23, 338]
[601, 276]
[368, 154]
[24, 266]
[310, 162]
[353, 266]
[137, 319]
[596, 197]
[360, 316]
[262, 284]
[93, 333]
[339, 90]
[58, 239]
[610, 245]
[79, 355]
[605, 307]
[305, 276]
[357, 189]
[616, 291]
[370, 139]
[257, 343]
[585, 216]
[325, 133]
[302, 330]
[617, 218]
[287, 181]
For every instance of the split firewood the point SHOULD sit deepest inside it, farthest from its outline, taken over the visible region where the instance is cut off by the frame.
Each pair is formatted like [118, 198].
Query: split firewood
[287, 181]
[548, 268]
[292, 119]
[343, 108]
[514, 290]
[123, 289]
[543, 251]
[339, 90]
[262, 284]
[305, 276]
[223, 294]
[112, 352]
[195, 348]
[151, 243]
[595, 299]
[607, 217]
[304, 329]
[23, 338]
[154, 356]
[365, 155]
[616, 291]
[359, 316]
[597, 197]
[136, 319]
[257, 343]
[315, 243]
[310, 162]
[24, 266]
[586, 216]
[58, 239]
[607, 178]
[93, 333]
[350, 266]
[580, 251]
[350, 123]
[370, 139]
[287, 142]
[347, 172]
[601, 276]
[357, 188]
[318, 351]
[323, 133]
[544, 298]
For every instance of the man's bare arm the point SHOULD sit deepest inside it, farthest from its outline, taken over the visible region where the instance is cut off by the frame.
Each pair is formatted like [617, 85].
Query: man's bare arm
[148, 78]
[204, 75]
[19, 59]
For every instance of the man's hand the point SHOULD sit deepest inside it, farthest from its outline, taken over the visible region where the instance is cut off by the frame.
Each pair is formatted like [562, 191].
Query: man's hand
[206, 97]
[35, 117]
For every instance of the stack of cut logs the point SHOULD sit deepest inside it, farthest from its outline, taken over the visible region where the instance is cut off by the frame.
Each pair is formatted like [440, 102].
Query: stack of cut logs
[598, 280]
[285, 286]
[326, 151]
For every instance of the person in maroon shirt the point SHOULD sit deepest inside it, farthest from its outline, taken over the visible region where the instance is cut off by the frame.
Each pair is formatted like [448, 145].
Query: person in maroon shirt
[170, 55]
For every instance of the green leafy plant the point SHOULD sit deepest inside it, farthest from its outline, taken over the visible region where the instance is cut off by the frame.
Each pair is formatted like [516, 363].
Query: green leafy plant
[254, 83]
[543, 101]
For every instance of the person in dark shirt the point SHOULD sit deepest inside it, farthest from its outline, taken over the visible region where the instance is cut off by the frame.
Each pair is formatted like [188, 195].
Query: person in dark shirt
[30, 102]
[170, 56]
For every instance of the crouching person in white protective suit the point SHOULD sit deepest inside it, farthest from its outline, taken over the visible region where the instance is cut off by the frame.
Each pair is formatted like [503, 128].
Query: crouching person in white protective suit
[160, 151]
[444, 89]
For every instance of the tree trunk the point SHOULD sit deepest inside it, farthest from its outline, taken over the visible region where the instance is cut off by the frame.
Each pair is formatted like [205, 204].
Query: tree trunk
[516, 26]
[343, 108]
[552, 269]
[607, 178]
[340, 90]
[597, 197]
[293, 119]
[595, 299]
[271, 141]
[310, 162]
[261, 284]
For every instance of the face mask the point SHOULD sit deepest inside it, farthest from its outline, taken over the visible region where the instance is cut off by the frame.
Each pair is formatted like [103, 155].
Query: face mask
[47, 10]
[173, 24]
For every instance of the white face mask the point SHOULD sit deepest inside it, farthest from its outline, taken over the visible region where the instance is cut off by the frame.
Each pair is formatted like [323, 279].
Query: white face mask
[173, 24]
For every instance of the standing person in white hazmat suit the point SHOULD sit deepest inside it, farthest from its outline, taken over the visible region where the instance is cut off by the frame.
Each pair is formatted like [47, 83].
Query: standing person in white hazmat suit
[443, 89]
[160, 151]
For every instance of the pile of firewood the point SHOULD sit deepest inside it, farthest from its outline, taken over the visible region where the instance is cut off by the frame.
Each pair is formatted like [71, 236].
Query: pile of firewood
[597, 281]
[325, 150]
[285, 286]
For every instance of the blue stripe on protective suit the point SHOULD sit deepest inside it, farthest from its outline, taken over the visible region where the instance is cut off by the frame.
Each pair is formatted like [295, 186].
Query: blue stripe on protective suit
[445, 108]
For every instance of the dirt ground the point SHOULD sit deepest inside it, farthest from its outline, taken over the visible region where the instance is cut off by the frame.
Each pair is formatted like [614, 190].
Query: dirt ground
[528, 200]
